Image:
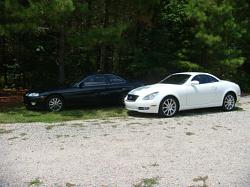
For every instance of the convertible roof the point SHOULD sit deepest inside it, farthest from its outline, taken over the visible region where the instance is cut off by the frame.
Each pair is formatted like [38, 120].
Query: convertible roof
[193, 73]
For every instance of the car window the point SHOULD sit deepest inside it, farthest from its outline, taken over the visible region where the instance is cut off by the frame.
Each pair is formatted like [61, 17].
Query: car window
[203, 79]
[94, 80]
[176, 79]
[113, 79]
[212, 79]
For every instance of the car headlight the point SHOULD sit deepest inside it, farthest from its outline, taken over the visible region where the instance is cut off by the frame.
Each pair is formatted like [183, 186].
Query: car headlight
[151, 96]
[32, 94]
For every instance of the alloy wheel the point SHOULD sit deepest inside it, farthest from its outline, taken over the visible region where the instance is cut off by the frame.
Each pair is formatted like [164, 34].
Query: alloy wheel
[169, 107]
[229, 102]
[55, 104]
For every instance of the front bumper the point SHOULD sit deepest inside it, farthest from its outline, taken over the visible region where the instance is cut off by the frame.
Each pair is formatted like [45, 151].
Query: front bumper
[34, 102]
[144, 106]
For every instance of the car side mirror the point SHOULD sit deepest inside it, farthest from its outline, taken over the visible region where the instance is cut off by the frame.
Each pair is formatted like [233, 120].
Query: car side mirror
[194, 83]
[81, 85]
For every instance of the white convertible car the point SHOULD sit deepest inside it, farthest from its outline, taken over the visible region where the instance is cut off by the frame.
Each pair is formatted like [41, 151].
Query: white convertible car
[183, 91]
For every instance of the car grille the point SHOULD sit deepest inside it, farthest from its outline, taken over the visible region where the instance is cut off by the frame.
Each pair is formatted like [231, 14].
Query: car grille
[132, 97]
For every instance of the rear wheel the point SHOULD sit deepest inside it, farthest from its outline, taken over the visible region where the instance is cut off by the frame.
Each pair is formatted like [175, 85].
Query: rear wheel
[168, 107]
[229, 102]
[55, 103]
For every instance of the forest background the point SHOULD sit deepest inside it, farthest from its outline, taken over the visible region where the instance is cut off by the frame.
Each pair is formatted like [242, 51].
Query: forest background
[53, 42]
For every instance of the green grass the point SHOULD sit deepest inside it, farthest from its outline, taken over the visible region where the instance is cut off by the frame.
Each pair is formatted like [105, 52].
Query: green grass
[18, 114]
[148, 182]
[35, 182]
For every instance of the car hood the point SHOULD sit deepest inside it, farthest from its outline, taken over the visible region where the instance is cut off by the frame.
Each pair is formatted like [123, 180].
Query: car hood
[45, 90]
[159, 87]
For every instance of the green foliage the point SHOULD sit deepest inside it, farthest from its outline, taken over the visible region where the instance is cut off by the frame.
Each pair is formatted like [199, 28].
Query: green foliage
[142, 39]
[215, 33]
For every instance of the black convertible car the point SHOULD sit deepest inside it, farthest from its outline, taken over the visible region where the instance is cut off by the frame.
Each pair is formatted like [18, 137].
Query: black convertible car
[92, 90]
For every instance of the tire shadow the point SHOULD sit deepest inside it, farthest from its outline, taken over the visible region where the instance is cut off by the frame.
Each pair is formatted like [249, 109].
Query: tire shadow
[194, 112]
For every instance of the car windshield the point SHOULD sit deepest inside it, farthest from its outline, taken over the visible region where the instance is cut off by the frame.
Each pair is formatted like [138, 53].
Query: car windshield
[176, 79]
[77, 81]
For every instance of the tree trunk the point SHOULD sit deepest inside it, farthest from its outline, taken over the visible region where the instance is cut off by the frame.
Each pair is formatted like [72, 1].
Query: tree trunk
[103, 46]
[4, 59]
[5, 76]
[102, 58]
[61, 51]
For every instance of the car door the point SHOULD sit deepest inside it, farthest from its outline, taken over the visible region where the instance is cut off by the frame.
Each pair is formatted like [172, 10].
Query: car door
[205, 93]
[89, 91]
[117, 88]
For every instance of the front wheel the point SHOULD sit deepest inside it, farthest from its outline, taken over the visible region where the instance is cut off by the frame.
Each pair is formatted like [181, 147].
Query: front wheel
[168, 107]
[229, 102]
[55, 104]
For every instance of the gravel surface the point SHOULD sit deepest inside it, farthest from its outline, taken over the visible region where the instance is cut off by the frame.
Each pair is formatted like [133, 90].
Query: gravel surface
[196, 148]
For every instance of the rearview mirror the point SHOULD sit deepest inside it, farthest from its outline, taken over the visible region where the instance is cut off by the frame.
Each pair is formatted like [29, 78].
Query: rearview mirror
[193, 83]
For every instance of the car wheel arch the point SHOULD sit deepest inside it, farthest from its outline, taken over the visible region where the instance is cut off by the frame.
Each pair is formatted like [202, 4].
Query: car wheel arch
[170, 95]
[232, 92]
[54, 95]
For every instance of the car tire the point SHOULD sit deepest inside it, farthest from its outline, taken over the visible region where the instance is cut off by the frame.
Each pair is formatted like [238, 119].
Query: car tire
[55, 103]
[229, 102]
[169, 107]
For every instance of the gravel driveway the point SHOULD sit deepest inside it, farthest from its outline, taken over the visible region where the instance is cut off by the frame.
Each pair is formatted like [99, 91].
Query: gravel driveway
[195, 148]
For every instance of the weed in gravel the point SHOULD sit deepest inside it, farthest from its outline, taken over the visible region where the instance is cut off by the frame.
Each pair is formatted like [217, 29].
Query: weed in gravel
[95, 123]
[154, 164]
[23, 134]
[218, 126]
[78, 125]
[49, 127]
[70, 184]
[65, 136]
[148, 182]
[200, 179]
[15, 137]
[114, 126]
[190, 133]
[4, 131]
[135, 131]
[129, 124]
[160, 123]
[108, 122]
[35, 182]
[214, 128]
